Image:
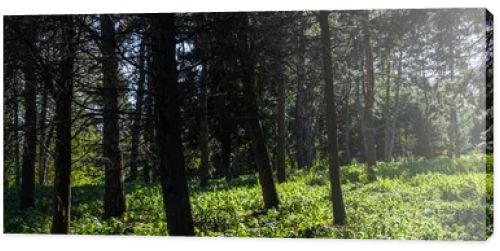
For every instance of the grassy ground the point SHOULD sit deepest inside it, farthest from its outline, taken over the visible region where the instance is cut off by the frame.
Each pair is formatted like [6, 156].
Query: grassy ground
[437, 199]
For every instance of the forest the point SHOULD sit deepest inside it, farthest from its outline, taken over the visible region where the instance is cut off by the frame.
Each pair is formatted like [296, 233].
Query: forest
[360, 124]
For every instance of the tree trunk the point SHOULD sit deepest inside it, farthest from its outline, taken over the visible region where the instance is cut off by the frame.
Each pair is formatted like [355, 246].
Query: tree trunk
[453, 133]
[387, 110]
[369, 91]
[17, 139]
[63, 95]
[456, 129]
[395, 109]
[204, 170]
[252, 111]
[280, 148]
[347, 124]
[300, 100]
[150, 157]
[136, 127]
[167, 108]
[203, 106]
[225, 142]
[305, 149]
[46, 149]
[29, 151]
[331, 118]
[453, 129]
[150, 160]
[114, 197]
[42, 146]
[361, 112]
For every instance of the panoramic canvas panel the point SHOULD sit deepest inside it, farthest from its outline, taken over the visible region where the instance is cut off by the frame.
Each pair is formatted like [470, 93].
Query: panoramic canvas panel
[361, 124]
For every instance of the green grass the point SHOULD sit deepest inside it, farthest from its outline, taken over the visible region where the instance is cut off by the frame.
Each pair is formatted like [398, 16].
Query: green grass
[436, 199]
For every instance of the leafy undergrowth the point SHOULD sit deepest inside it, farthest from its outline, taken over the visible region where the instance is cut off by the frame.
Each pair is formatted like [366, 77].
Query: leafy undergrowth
[436, 199]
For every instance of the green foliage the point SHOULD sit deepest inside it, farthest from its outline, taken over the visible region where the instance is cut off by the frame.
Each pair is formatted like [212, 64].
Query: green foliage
[427, 199]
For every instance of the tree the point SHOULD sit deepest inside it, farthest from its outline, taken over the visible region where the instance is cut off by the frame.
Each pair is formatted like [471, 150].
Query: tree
[17, 158]
[168, 128]
[304, 131]
[203, 107]
[369, 92]
[30, 87]
[45, 137]
[254, 127]
[63, 93]
[331, 117]
[136, 127]
[114, 197]
[280, 149]
[395, 111]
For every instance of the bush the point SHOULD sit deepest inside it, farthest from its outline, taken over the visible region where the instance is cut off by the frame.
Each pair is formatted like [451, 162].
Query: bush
[427, 199]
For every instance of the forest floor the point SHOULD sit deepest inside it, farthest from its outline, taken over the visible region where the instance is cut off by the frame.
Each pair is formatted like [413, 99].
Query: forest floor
[424, 199]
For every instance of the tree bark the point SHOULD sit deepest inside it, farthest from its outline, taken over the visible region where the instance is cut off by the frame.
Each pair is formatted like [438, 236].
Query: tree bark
[330, 110]
[203, 107]
[150, 158]
[305, 149]
[387, 110]
[114, 197]
[395, 109]
[360, 111]
[30, 121]
[347, 124]
[167, 108]
[254, 127]
[280, 148]
[42, 146]
[136, 127]
[299, 101]
[63, 96]
[369, 91]
[225, 140]
[17, 139]
[204, 169]
[453, 129]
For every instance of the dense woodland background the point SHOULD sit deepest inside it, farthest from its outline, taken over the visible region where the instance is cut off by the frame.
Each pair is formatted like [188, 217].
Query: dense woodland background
[344, 124]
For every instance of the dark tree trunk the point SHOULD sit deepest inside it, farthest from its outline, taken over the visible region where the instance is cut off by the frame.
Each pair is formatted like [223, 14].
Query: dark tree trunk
[305, 149]
[136, 127]
[150, 161]
[426, 123]
[203, 107]
[254, 127]
[42, 146]
[387, 110]
[299, 101]
[281, 146]
[330, 110]
[347, 124]
[29, 151]
[114, 197]
[369, 91]
[224, 129]
[225, 140]
[236, 163]
[168, 126]
[453, 129]
[453, 133]
[17, 139]
[395, 109]
[46, 149]
[360, 113]
[63, 96]
[204, 169]
[150, 152]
